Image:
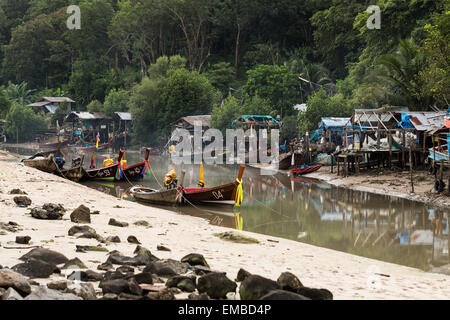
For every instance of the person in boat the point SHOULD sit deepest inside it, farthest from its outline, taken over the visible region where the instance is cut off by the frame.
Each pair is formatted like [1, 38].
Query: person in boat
[170, 180]
[60, 162]
[108, 162]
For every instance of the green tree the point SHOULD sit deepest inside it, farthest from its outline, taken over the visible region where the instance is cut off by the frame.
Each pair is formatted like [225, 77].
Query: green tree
[4, 102]
[276, 84]
[116, 101]
[60, 113]
[19, 93]
[224, 113]
[95, 106]
[289, 130]
[23, 121]
[221, 75]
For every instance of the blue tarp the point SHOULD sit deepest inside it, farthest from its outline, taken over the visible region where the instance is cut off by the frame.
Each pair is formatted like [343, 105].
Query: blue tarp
[331, 124]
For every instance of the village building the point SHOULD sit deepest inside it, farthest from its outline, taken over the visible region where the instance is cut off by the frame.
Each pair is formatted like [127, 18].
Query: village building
[189, 122]
[86, 125]
[256, 122]
[50, 104]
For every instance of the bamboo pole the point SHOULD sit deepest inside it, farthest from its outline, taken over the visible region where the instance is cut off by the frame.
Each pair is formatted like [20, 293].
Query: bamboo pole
[411, 169]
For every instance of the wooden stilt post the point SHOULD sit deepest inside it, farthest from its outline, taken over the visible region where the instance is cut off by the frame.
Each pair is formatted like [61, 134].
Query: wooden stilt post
[411, 169]
[390, 148]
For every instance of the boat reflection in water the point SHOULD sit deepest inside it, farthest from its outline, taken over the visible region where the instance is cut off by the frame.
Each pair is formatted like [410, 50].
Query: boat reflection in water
[302, 209]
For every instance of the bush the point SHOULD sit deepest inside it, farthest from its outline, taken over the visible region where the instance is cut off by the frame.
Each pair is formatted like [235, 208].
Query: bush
[24, 121]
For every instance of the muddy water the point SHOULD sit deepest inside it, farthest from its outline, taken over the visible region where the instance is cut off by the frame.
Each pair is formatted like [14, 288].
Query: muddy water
[375, 226]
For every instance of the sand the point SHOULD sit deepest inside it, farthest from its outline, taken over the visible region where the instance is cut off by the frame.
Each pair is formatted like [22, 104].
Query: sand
[346, 276]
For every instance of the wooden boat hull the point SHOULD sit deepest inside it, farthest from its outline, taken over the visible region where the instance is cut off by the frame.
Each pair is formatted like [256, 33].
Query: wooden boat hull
[220, 194]
[74, 174]
[54, 144]
[286, 162]
[47, 164]
[93, 148]
[301, 171]
[105, 173]
[154, 196]
[134, 172]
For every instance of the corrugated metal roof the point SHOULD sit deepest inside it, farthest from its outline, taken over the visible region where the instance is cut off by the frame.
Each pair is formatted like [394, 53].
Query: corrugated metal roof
[335, 122]
[427, 121]
[204, 119]
[57, 99]
[81, 115]
[38, 104]
[125, 116]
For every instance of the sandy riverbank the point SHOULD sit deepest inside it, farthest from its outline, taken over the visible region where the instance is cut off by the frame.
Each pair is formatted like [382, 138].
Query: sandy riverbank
[346, 276]
[389, 182]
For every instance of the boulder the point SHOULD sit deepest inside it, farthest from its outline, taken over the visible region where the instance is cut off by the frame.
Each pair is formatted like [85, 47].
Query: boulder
[82, 214]
[174, 281]
[22, 201]
[201, 270]
[11, 294]
[34, 268]
[161, 269]
[315, 294]
[83, 232]
[144, 278]
[17, 191]
[216, 285]
[162, 248]
[164, 294]
[23, 239]
[131, 261]
[283, 295]
[288, 281]
[145, 254]
[114, 222]
[74, 264]
[114, 275]
[186, 285]
[44, 293]
[85, 276]
[39, 213]
[12, 279]
[107, 266]
[97, 248]
[46, 255]
[57, 285]
[254, 287]
[86, 291]
[125, 269]
[114, 239]
[242, 275]
[202, 296]
[195, 259]
[119, 286]
[133, 239]
[54, 209]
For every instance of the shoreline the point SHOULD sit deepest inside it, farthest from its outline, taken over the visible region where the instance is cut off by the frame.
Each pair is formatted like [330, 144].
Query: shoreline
[346, 276]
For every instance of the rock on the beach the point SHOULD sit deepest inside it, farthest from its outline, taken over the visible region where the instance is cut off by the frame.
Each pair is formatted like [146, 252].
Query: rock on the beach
[114, 222]
[85, 276]
[289, 282]
[242, 275]
[202, 296]
[161, 269]
[23, 239]
[254, 287]
[131, 261]
[119, 286]
[44, 293]
[17, 191]
[216, 285]
[83, 232]
[57, 285]
[315, 294]
[133, 239]
[86, 291]
[12, 279]
[107, 266]
[114, 239]
[162, 248]
[283, 295]
[46, 255]
[186, 285]
[34, 268]
[74, 264]
[82, 214]
[22, 201]
[54, 209]
[109, 296]
[164, 294]
[174, 281]
[39, 213]
[143, 278]
[195, 259]
[11, 294]
[125, 269]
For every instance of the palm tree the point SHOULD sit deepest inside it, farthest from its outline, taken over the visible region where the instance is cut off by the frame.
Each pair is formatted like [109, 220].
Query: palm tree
[395, 77]
[18, 93]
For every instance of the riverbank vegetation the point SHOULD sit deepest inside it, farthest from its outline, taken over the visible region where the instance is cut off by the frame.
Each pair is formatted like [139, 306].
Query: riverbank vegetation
[163, 59]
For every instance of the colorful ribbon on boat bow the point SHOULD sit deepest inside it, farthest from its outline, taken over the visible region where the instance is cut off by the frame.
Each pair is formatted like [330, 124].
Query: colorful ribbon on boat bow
[239, 193]
[146, 171]
[119, 172]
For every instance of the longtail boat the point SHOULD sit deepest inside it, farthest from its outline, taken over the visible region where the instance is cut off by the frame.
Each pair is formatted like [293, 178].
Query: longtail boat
[93, 148]
[286, 161]
[137, 171]
[305, 170]
[46, 164]
[163, 196]
[224, 194]
[74, 174]
[104, 173]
